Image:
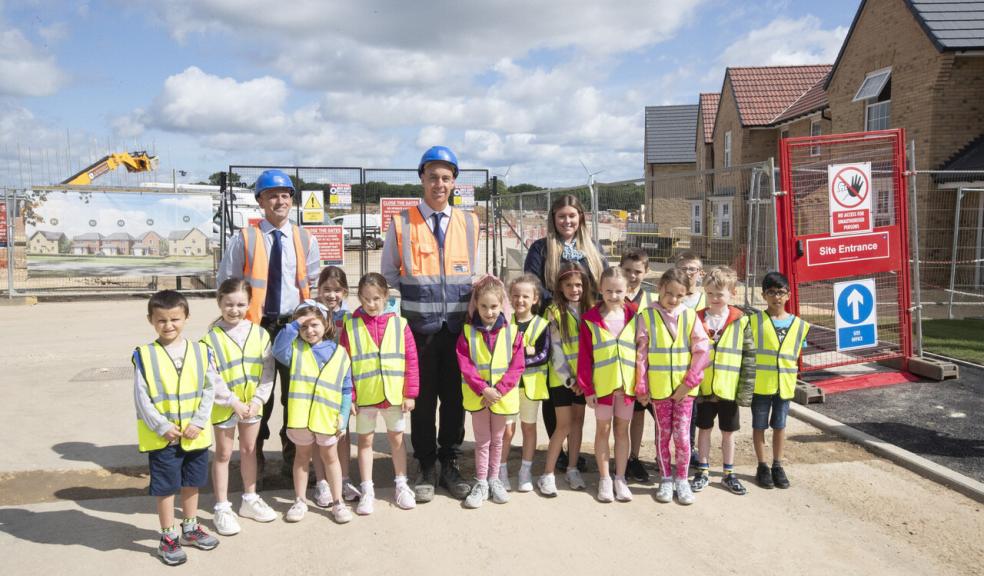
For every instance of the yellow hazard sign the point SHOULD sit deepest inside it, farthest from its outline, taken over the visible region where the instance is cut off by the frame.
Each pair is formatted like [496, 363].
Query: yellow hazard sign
[312, 210]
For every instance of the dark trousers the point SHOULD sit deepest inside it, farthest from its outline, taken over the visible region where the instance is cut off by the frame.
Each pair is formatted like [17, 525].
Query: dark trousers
[282, 379]
[440, 381]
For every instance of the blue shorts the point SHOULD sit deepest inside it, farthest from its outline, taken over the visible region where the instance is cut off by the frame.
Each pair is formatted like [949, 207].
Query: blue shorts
[172, 469]
[762, 404]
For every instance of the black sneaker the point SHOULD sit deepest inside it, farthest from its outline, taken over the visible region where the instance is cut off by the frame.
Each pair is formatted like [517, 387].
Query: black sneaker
[562, 460]
[423, 486]
[763, 477]
[700, 481]
[637, 471]
[170, 551]
[452, 481]
[779, 477]
[732, 483]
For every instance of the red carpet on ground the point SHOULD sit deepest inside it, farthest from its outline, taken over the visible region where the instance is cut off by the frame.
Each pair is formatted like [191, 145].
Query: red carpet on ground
[848, 383]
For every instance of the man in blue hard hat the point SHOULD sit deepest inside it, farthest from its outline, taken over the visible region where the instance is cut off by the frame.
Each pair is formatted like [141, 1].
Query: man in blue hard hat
[281, 261]
[431, 255]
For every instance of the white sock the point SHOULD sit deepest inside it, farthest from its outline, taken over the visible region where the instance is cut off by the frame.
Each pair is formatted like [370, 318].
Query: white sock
[223, 506]
[250, 496]
[526, 465]
[620, 478]
[366, 486]
[400, 481]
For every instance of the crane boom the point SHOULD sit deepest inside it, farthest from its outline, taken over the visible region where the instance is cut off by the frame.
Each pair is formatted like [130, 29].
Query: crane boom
[132, 161]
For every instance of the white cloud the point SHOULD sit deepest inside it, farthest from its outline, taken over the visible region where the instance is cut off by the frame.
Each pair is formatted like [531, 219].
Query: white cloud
[786, 42]
[431, 136]
[26, 70]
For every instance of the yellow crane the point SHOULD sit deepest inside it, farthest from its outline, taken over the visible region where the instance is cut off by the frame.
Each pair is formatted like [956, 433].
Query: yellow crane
[132, 161]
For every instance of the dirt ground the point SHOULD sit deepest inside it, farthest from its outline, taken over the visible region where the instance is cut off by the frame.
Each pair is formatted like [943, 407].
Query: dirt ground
[72, 491]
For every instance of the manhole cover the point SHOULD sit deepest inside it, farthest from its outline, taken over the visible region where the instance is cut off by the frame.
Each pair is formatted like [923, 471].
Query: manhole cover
[104, 374]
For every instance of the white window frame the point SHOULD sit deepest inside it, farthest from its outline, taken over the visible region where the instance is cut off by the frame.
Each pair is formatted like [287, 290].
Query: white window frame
[867, 113]
[875, 81]
[815, 130]
[727, 149]
[696, 218]
[723, 212]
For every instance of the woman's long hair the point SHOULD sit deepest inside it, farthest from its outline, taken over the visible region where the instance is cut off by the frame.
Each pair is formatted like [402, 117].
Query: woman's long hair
[582, 241]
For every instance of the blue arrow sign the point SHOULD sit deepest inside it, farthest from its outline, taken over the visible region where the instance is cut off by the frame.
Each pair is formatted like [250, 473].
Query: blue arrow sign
[856, 323]
[855, 304]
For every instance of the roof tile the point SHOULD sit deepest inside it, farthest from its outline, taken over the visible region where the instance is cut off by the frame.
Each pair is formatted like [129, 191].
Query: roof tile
[764, 93]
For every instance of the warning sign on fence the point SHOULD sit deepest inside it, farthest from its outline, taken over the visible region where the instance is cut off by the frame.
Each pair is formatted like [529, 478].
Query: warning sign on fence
[3, 225]
[340, 197]
[312, 207]
[331, 243]
[389, 207]
[849, 198]
[464, 196]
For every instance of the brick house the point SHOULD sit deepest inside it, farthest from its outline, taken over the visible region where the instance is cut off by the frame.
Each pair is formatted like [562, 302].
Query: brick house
[42, 242]
[149, 244]
[670, 148]
[707, 112]
[88, 243]
[117, 244]
[192, 242]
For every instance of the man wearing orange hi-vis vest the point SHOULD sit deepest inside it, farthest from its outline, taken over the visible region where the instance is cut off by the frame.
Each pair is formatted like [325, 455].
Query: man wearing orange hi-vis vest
[430, 255]
[281, 261]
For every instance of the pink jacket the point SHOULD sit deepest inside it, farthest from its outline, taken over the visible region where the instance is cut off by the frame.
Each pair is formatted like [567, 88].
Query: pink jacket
[376, 325]
[700, 346]
[516, 367]
[585, 352]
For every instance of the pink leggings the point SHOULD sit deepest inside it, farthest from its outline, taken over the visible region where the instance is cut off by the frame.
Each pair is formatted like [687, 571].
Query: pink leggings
[488, 429]
[673, 419]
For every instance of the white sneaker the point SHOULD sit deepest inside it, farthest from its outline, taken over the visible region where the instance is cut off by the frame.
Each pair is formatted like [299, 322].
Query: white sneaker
[296, 512]
[341, 513]
[405, 498]
[225, 522]
[683, 493]
[365, 506]
[622, 492]
[504, 478]
[605, 491]
[479, 494]
[575, 480]
[547, 485]
[322, 494]
[525, 480]
[257, 510]
[664, 493]
[349, 492]
[498, 491]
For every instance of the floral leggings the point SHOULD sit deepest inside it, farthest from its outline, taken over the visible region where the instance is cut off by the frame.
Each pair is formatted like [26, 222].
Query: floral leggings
[673, 420]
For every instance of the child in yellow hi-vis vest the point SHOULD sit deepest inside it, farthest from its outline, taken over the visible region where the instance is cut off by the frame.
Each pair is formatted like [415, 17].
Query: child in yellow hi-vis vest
[173, 388]
[779, 338]
[242, 352]
[491, 357]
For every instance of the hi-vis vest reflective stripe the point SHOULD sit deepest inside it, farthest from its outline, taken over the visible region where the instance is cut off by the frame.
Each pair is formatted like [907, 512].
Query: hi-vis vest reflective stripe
[314, 399]
[555, 317]
[669, 358]
[644, 298]
[256, 266]
[721, 374]
[240, 368]
[614, 359]
[175, 396]
[776, 365]
[492, 366]
[435, 284]
[341, 317]
[378, 372]
[534, 377]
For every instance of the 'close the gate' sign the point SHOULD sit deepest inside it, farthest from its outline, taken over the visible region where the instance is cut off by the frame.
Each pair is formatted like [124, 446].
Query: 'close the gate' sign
[849, 187]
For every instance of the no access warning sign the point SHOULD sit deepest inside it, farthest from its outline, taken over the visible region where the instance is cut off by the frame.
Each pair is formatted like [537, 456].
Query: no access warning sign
[849, 188]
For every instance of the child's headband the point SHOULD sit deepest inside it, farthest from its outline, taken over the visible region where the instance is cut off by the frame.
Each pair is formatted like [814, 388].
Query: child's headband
[309, 303]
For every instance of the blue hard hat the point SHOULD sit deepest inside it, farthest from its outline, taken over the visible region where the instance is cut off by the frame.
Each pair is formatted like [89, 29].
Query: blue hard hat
[273, 179]
[438, 154]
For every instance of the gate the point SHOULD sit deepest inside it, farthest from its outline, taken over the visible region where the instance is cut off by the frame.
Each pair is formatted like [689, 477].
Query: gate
[843, 216]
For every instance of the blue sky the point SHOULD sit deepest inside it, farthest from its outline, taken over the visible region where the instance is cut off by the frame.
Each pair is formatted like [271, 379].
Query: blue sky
[533, 87]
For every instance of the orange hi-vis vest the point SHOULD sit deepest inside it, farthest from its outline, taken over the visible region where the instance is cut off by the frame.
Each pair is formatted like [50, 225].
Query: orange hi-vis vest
[256, 266]
[435, 284]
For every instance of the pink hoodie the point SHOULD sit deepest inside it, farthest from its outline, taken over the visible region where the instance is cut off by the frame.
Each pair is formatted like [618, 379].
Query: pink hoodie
[376, 325]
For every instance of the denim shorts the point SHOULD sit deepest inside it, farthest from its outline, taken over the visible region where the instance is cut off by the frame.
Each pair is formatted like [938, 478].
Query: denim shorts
[172, 469]
[762, 405]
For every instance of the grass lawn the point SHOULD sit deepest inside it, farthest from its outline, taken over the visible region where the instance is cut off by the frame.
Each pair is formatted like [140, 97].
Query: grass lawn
[963, 339]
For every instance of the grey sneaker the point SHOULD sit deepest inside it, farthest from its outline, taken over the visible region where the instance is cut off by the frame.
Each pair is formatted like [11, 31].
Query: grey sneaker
[170, 551]
[547, 485]
[322, 494]
[349, 492]
[575, 480]
[504, 478]
[341, 513]
[296, 512]
[664, 493]
[683, 493]
[524, 480]
[197, 536]
[225, 522]
[257, 510]
[498, 490]
[423, 486]
[606, 492]
[479, 494]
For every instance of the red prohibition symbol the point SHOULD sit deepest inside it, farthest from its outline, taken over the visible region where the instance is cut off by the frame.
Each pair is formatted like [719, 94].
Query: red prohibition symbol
[850, 187]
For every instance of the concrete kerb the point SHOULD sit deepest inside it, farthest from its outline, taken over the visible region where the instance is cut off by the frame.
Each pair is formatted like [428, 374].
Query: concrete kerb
[922, 466]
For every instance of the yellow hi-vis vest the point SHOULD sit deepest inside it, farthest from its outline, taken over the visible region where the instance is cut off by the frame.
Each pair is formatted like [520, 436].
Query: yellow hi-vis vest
[534, 377]
[669, 358]
[721, 374]
[644, 298]
[240, 368]
[776, 365]
[176, 396]
[614, 359]
[378, 372]
[314, 399]
[555, 316]
[492, 366]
